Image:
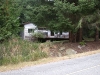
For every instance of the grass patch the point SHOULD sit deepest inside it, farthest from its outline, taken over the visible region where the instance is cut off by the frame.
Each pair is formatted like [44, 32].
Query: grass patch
[44, 61]
[17, 50]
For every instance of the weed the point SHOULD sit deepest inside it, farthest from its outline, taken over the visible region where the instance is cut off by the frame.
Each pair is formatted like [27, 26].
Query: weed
[82, 43]
[38, 35]
[17, 50]
[39, 54]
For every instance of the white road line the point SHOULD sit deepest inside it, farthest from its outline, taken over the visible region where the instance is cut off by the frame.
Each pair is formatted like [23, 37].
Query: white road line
[83, 69]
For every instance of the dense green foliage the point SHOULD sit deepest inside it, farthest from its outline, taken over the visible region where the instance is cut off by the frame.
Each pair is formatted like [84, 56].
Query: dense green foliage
[9, 19]
[63, 15]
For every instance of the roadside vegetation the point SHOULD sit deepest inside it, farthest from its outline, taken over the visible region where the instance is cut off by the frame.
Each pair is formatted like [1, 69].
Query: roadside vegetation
[17, 50]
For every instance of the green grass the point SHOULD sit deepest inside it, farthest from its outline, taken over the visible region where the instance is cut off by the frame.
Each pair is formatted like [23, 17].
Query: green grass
[17, 50]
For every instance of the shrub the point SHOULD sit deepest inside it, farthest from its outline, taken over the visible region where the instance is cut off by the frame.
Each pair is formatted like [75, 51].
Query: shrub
[38, 35]
[17, 50]
[82, 43]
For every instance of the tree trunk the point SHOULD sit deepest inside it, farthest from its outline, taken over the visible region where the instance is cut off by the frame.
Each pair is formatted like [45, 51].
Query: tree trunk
[72, 37]
[76, 37]
[97, 35]
[79, 35]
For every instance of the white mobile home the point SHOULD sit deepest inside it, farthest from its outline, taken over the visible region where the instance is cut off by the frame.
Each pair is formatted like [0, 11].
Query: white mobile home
[50, 34]
[31, 28]
[28, 30]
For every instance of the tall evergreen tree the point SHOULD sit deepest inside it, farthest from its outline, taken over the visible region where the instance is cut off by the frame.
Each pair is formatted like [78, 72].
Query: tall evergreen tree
[9, 22]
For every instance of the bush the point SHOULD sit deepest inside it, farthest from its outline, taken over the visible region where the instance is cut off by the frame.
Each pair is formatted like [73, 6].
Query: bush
[38, 35]
[82, 43]
[17, 50]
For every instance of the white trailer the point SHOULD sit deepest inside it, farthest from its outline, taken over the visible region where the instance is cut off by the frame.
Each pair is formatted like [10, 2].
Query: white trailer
[31, 28]
[28, 31]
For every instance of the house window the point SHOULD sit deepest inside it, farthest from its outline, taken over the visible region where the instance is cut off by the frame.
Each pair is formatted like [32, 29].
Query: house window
[52, 33]
[30, 30]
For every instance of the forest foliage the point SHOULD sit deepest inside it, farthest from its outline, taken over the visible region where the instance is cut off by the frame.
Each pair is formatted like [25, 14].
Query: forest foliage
[57, 15]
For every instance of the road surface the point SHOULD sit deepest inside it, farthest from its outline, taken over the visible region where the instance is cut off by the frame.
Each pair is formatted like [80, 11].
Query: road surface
[88, 65]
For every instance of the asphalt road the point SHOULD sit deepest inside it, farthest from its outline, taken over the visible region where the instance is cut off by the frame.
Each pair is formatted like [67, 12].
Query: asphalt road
[88, 65]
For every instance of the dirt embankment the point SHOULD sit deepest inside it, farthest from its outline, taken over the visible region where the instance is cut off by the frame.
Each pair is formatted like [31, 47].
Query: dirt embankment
[60, 49]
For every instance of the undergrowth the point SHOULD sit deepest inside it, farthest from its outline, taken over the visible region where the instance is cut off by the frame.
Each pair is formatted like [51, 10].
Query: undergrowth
[17, 50]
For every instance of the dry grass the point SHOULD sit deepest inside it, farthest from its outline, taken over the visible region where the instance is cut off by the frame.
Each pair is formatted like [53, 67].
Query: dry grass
[45, 60]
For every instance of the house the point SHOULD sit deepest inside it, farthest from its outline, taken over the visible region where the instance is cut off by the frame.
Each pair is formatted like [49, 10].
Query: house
[31, 28]
[28, 30]
[50, 34]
